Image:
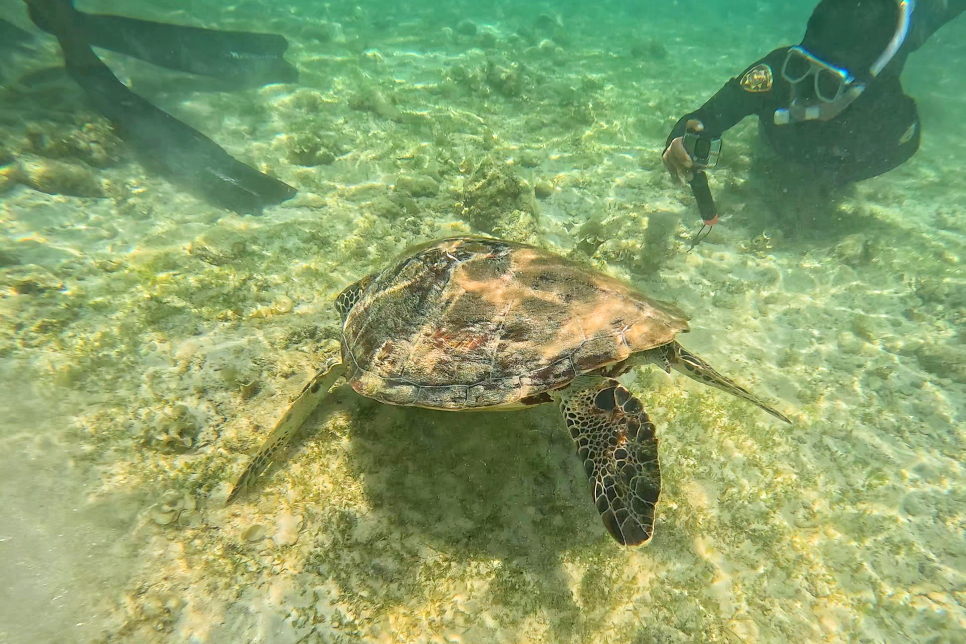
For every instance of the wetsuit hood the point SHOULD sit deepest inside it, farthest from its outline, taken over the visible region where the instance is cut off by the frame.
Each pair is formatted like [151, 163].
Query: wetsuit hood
[861, 36]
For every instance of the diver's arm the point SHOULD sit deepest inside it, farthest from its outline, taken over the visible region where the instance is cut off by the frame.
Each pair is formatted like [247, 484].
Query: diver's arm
[734, 101]
[749, 93]
[13, 37]
[721, 112]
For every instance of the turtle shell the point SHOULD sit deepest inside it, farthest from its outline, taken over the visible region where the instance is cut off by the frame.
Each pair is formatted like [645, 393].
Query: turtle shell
[471, 322]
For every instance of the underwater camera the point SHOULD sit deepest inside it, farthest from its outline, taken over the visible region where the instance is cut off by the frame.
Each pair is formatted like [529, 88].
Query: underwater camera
[703, 150]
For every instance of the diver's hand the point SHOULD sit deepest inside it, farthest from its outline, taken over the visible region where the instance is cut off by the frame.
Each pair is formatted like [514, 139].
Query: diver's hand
[677, 160]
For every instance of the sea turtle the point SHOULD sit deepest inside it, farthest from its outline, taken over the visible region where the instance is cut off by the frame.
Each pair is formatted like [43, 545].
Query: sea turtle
[470, 323]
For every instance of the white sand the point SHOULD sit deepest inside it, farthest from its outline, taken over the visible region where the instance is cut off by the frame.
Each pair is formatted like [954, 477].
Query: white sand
[148, 340]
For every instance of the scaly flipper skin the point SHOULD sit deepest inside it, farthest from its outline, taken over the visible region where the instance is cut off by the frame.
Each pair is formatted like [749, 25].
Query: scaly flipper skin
[674, 356]
[616, 443]
[291, 421]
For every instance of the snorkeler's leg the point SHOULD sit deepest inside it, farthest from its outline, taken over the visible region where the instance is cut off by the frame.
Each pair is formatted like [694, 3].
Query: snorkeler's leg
[13, 38]
[181, 153]
[243, 58]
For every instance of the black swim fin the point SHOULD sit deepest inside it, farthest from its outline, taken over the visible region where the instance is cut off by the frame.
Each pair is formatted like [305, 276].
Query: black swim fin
[184, 155]
[13, 38]
[244, 59]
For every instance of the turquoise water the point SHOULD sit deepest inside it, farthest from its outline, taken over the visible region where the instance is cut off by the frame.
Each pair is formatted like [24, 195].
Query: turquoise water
[150, 339]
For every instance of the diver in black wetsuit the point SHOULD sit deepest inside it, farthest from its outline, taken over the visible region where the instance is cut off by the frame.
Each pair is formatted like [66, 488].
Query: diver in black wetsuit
[833, 106]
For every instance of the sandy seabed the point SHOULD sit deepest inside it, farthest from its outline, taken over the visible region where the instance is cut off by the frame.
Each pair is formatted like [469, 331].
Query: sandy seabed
[148, 341]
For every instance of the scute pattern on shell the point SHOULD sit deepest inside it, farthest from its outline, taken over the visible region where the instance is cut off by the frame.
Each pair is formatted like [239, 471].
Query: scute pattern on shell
[473, 322]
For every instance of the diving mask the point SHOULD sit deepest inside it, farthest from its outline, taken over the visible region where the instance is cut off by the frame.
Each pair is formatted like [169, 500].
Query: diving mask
[832, 88]
[820, 91]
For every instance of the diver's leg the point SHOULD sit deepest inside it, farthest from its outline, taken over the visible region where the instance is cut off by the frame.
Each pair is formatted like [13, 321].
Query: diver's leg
[245, 58]
[616, 443]
[179, 152]
[13, 38]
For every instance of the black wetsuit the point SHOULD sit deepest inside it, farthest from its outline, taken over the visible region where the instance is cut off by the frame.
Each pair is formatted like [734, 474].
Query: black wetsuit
[875, 134]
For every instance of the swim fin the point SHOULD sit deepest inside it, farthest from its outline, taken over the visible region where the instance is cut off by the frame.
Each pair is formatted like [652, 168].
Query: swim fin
[245, 59]
[184, 155]
[13, 38]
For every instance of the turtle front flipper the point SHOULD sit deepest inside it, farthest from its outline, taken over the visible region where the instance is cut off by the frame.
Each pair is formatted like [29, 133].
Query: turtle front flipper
[289, 424]
[675, 356]
[616, 443]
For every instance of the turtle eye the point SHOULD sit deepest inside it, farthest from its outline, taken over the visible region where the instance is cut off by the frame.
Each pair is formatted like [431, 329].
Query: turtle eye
[604, 400]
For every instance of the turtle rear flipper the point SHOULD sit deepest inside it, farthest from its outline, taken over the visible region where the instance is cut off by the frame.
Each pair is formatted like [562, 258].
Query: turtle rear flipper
[676, 357]
[288, 425]
[616, 443]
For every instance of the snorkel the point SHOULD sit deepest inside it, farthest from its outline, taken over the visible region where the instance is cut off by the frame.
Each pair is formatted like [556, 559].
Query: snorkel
[821, 106]
[906, 7]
